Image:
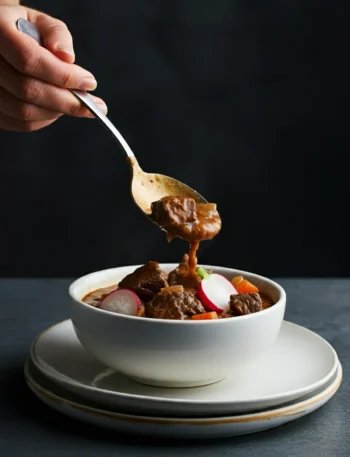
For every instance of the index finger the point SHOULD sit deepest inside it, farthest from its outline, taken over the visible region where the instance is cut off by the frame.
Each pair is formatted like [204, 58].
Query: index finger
[56, 36]
[31, 59]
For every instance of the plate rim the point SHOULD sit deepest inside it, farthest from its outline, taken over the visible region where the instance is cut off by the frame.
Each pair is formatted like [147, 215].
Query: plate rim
[266, 415]
[56, 377]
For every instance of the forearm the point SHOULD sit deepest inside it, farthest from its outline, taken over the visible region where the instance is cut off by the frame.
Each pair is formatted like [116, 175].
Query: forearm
[9, 2]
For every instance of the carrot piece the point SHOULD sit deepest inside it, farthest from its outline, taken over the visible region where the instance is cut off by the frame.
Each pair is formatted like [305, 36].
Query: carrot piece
[205, 316]
[246, 287]
[236, 280]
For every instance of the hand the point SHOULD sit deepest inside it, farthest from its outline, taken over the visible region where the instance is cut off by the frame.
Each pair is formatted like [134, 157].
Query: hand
[34, 79]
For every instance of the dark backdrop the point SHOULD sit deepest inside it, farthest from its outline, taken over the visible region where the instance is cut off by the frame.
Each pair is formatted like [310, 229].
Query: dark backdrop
[246, 101]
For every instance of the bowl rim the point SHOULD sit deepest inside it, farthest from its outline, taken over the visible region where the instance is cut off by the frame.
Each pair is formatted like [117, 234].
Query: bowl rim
[281, 302]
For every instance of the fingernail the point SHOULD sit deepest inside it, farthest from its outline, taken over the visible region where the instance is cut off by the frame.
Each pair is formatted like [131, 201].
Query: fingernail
[66, 49]
[88, 84]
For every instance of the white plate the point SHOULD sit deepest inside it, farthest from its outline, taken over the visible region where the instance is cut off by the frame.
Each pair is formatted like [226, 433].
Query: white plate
[300, 362]
[194, 428]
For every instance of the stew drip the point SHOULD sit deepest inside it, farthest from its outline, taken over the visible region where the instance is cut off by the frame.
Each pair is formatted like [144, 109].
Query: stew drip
[192, 258]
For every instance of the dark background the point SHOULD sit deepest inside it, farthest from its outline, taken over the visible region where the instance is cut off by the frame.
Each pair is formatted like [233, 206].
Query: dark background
[246, 101]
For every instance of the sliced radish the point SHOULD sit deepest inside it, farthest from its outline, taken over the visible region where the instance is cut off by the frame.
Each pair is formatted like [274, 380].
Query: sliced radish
[214, 291]
[121, 301]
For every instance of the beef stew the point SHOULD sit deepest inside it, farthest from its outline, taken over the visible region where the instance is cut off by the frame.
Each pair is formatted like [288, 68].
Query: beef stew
[177, 296]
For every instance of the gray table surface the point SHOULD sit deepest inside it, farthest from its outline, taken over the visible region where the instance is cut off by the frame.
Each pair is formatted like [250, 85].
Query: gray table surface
[29, 428]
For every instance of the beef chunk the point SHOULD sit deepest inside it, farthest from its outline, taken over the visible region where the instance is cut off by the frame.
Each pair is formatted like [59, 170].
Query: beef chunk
[175, 305]
[181, 276]
[145, 281]
[183, 217]
[171, 213]
[245, 304]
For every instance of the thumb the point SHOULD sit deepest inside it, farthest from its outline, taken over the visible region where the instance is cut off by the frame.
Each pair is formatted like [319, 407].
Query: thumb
[55, 35]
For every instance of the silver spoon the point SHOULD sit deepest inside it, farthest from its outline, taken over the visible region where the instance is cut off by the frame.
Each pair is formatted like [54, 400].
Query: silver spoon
[145, 187]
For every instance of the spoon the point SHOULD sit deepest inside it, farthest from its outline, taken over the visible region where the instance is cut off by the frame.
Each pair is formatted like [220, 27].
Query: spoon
[145, 187]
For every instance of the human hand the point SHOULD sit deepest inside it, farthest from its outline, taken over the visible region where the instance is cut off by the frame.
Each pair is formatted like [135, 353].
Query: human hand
[34, 79]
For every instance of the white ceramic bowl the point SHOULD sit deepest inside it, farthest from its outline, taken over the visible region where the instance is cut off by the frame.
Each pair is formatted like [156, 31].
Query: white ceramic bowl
[171, 353]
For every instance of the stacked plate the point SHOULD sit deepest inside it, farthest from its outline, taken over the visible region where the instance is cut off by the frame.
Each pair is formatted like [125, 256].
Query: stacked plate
[297, 377]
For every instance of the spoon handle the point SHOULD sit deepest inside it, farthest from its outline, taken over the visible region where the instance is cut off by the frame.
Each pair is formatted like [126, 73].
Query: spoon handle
[29, 29]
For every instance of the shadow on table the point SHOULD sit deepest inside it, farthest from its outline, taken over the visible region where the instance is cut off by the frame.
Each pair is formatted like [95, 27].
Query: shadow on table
[25, 410]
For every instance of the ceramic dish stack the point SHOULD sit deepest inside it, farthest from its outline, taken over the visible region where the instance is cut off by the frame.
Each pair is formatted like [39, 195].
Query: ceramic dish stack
[297, 376]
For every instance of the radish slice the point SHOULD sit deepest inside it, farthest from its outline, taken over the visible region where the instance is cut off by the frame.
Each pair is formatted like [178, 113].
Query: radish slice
[214, 291]
[121, 301]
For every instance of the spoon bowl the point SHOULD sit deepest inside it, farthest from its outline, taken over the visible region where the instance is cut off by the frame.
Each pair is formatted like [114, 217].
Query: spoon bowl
[150, 187]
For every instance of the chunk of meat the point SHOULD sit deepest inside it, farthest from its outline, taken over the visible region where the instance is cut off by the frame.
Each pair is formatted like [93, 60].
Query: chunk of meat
[241, 304]
[183, 217]
[175, 305]
[145, 281]
[182, 276]
[172, 212]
